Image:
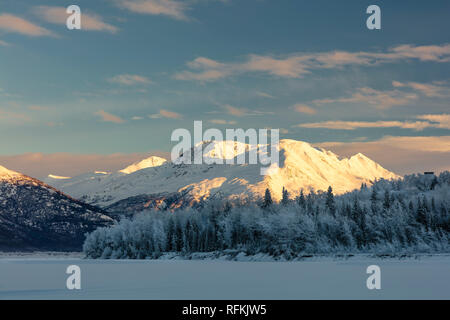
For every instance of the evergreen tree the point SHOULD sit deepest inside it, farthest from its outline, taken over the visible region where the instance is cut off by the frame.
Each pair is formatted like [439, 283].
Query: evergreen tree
[329, 202]
[433, 183]
[267, 199]
[422, 213]
[387, 200]
[170, 234]
[411, 207]
[284, 197]
[249, 229]
[301, 200]
[356, 210]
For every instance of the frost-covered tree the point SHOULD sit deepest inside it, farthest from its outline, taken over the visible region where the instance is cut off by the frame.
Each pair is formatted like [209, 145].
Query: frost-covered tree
[284, 197]
[267, 199]
[416, 219]
[301, 200]
[330, 200]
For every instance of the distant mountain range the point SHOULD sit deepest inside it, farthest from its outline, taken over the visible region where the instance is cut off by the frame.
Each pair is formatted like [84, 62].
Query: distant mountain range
[155, 182]
[56, 214]
[35, 216]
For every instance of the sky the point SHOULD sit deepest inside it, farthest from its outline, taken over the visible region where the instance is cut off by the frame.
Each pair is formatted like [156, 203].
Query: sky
[111, 93]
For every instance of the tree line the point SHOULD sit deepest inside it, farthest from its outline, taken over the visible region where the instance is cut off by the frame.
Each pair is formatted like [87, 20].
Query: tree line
[409, 215]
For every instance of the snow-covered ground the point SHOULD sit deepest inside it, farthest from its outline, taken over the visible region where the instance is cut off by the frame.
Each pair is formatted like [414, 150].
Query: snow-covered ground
[44, 277]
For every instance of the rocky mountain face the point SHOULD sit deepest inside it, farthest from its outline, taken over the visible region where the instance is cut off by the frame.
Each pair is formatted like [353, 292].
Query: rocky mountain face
[35, 216]
[176, 184]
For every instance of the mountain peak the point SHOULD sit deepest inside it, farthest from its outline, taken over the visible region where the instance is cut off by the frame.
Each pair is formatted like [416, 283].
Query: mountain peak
[149, 162]
[6, 173]
[301, 166]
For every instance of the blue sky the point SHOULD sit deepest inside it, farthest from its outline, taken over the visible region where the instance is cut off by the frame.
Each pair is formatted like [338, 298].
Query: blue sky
[139, 69]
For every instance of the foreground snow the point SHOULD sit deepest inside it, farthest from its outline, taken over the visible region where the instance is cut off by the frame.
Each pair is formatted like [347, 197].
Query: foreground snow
[41, 277]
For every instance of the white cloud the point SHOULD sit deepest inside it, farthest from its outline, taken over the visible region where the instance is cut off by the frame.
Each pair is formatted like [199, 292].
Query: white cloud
[303, 108]
[58, 15]
[352, 125]
[108, 117]
[441, 121]
[14, 117]
[240, 112]
[12, 23]
[165, 114]
[424, 53]
[174, 9]
[222, 121]
[438, 120]
[300, 64]
[264, 95]
[129, 79]
[234, 111]
[376, 98]
[435, 89]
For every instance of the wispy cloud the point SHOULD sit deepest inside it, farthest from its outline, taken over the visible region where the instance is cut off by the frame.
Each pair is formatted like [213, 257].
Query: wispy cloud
[222, 121]
[303, 108]
[438, 120]
[15, 24]
[441, 121]
[376, 98]
[435, 89]
[58, 15]
[129, 79]
[264, 95]
[4, 43]
[352, 125]
[38, 108]
[424, 53]
[234, 111]
[240, 112]
[170, 8]
[300, 64]
[108, 117]
[165, 114]
[14, 117]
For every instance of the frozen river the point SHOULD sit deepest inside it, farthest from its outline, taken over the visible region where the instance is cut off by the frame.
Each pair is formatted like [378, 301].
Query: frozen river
[319, 278]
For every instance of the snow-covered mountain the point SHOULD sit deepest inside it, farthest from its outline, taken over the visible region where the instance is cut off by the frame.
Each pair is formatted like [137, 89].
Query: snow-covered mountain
[301, 167]
[34, 215]
[146, 163]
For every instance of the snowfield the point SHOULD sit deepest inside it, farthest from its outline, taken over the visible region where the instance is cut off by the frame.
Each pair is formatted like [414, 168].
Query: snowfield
[301, 167]
[44, 277]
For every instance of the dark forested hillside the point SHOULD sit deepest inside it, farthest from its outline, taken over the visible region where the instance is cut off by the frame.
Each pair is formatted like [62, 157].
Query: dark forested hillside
[35, 216]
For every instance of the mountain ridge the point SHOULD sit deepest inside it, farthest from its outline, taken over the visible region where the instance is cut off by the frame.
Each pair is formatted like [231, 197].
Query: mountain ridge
[36, 216]
[302, 166]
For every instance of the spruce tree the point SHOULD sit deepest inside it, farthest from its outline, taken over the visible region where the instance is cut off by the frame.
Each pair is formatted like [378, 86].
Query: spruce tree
[301, 200]
[422, 213]
[387, 200]
[267, 199]
[285, 197]
[330, 200]
[373, 200]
